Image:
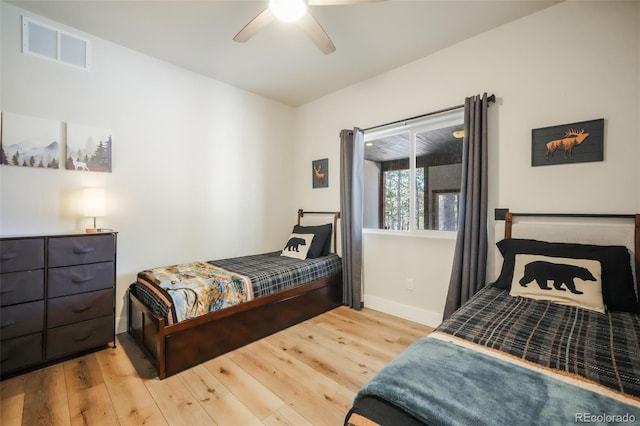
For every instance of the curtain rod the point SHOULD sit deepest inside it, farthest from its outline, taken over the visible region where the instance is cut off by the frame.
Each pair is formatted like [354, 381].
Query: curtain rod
[491, 99]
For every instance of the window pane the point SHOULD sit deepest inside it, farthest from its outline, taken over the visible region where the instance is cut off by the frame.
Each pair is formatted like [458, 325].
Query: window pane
[396, 209]
[421, 218]
[386, 182]
[406, 166]
[447, 206]
[438, 169]
[444, 179]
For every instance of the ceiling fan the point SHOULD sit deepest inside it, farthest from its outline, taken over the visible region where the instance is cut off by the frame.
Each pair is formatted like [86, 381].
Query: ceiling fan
[295, 11]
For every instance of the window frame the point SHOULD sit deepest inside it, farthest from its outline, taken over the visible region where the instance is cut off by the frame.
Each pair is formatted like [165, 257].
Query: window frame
[413, 127]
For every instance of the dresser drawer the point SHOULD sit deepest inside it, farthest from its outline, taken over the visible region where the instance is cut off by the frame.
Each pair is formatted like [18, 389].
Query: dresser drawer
[80, 279]
[18, 287]
[64, 251]
[20, 352]
[78, 337]
[79, 307]
[21, 255]
[21, 319]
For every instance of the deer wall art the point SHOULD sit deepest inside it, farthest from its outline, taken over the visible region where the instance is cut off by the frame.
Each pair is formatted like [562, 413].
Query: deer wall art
[79, 165]
[571, 139]
[320, 175]
[569, 143]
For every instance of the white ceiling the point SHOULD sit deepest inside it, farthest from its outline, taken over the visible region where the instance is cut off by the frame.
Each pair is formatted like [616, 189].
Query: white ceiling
[280, 62]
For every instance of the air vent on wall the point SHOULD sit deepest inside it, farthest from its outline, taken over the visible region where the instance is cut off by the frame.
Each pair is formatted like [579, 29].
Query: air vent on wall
[51, 43]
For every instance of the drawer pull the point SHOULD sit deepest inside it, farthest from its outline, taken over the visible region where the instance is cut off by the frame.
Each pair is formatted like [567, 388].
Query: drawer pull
[84, 250]
[8, 324]
[79, 310]
[80, 339]
[8, 256]
[7, 290]
[82, 280]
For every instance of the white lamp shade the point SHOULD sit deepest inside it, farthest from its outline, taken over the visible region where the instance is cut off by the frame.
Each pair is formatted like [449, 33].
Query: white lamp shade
[94, 204]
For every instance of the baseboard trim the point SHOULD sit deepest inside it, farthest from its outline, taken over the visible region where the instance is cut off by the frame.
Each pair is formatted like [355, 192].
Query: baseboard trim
[411, 313]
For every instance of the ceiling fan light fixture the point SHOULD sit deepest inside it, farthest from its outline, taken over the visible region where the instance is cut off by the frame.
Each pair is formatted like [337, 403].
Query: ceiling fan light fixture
[288, 10]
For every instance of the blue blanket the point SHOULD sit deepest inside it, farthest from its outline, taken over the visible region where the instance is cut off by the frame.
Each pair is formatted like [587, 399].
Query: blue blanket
[446, 383]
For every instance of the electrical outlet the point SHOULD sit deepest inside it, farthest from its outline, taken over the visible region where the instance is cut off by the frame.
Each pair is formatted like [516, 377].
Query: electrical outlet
[410, 286]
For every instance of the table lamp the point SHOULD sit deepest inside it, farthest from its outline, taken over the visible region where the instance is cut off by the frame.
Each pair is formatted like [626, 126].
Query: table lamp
[94, 205]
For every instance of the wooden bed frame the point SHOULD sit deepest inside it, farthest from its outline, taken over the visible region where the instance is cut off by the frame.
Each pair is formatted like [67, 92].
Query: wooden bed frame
[374, 410]
[508, 216]
[177, 347]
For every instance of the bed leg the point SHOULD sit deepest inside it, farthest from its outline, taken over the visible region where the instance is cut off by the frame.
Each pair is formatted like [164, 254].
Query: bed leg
[637, 250]
[162, 367]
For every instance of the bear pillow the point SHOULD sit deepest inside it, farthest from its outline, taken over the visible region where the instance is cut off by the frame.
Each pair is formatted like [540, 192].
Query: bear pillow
[297, 246]
[618, 283]
[565, 281]
[321, 244]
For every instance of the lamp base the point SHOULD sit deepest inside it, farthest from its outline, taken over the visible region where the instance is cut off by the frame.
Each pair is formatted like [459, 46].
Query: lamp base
[92, 230]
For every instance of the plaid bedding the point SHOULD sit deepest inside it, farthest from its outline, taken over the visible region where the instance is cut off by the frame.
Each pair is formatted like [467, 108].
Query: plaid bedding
[603, 348]
[269, 273]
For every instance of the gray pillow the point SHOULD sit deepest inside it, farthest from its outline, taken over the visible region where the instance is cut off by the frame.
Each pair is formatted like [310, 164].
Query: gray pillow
[321, 244]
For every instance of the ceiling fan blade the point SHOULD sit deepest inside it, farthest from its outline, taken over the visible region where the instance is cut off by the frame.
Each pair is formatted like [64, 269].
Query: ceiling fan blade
[262, 20]
[337, 2]
[315, 32]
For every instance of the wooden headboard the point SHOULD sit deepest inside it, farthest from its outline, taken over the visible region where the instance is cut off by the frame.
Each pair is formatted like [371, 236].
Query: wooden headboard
[632, 219]
[336, 216]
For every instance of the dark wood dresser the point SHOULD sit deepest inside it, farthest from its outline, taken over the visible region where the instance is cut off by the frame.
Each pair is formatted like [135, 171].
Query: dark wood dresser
[57, 297]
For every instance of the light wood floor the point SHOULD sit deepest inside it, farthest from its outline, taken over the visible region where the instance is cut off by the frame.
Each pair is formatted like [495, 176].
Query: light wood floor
[305, 375]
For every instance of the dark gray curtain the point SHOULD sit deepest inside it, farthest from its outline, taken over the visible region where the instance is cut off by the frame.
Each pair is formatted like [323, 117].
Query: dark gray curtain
[470, 257]
[351, 192]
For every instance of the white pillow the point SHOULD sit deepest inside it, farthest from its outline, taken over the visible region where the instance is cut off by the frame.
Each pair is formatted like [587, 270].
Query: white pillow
[297, 246]
[572, 282]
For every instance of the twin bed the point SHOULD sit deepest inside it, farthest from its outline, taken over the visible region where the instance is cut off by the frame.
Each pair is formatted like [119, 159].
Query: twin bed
[500, 359]
[247, 298]
[505, 360]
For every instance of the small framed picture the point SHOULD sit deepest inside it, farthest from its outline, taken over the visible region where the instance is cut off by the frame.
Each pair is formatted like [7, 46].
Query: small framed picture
[568, 143]
[320, 173]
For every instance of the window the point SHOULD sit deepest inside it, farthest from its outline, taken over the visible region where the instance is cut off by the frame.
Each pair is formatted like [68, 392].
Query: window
[412, 174]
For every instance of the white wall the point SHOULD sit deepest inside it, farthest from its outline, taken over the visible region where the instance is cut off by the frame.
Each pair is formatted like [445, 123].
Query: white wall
[199, 167]
[182, 140]
[571, 62]
[410, 269]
